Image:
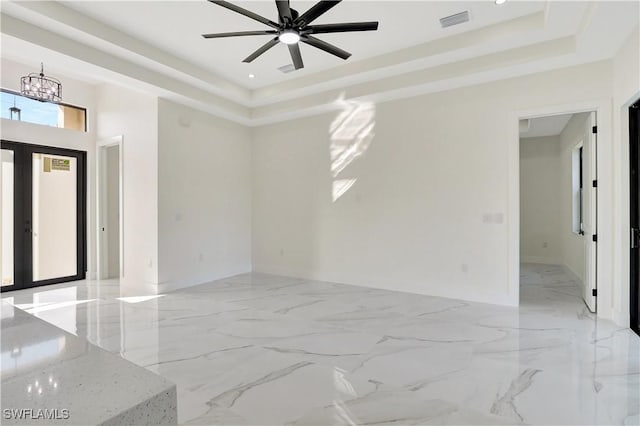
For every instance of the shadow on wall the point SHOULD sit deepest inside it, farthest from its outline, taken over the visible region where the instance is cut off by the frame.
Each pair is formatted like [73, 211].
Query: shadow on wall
[351, 135]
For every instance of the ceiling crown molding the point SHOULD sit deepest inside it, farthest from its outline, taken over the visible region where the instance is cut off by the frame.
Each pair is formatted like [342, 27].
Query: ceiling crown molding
[410, 58]
[74, 23]
[66, 46]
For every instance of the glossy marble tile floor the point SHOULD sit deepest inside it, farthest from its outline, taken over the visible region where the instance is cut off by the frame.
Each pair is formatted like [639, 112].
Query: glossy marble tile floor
[262, 349]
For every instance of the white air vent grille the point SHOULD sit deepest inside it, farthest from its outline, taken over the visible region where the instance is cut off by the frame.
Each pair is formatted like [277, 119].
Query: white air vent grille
[287, 68]
[456, 19]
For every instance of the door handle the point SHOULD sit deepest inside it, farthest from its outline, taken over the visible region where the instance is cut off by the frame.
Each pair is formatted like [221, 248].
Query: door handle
[635, 238]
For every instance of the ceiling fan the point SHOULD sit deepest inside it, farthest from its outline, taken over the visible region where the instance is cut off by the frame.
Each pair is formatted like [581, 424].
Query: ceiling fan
[292, 28]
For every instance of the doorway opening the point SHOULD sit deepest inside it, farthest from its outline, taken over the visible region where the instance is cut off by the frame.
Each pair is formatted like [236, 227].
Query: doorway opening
[43, 217]
[558, 208]
[110, 209]
[634, 192]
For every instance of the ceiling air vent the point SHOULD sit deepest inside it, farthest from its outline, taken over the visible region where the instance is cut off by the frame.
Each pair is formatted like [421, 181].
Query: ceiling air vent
[287, 68]
[458, 18]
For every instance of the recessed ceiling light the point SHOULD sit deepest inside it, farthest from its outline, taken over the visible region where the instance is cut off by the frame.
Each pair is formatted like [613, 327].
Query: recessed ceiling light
[252, 76]
[498, 2]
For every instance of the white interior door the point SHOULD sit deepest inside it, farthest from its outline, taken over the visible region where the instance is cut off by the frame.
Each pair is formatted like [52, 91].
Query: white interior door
[590, 205]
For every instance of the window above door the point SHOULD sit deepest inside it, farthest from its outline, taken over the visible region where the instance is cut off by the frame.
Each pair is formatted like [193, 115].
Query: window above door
[18, 107]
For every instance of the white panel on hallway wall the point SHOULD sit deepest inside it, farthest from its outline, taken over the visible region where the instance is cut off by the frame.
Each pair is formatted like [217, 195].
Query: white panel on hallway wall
[540, 200]
[113, 209]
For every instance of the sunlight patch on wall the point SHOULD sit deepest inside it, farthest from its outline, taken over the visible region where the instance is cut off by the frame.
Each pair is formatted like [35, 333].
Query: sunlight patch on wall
[351, 135]
[340, 186]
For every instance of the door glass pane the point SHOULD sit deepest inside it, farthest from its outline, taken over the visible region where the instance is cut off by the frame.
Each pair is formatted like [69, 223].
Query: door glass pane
[6, 217]
[55, 216]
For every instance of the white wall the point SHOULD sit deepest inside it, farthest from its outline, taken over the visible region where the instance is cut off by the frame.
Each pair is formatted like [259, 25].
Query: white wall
[428, 213]
[541, 179]
[626, 90]
[75, 93]
[204, 199]
[121, 111]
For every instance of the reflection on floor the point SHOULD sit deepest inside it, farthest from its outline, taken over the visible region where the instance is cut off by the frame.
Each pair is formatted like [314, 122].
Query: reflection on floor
[263, 349]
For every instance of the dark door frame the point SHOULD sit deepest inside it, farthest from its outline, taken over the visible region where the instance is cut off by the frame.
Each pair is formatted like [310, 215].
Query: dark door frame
[22, 226]
[634, 219]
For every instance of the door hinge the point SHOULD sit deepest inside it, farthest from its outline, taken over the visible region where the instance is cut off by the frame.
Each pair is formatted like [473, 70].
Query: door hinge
[594, 292]
[594, 129]
[595, 183]
[594, 237]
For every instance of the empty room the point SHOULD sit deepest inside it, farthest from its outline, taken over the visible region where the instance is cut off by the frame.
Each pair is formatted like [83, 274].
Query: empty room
[320, 212]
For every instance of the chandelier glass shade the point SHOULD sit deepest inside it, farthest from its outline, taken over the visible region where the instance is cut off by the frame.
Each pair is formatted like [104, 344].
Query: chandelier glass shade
[41, 87]
[14, 111]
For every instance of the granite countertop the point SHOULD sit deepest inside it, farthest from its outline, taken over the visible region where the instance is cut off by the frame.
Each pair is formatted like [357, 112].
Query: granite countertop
[64, 379]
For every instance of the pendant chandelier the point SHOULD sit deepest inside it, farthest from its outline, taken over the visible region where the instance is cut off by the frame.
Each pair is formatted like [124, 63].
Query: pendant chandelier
[41, 87]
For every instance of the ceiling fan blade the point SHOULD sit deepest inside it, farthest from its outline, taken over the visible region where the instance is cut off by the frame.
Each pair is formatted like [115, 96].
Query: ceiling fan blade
[327, 47]
[244, 12]
[241, 33]
[341, 28]
[284, 11]
[263, 49]
[315, 11]
[294, 49]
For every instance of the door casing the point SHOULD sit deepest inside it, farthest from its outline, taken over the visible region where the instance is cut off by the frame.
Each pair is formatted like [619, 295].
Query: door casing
[601, 110]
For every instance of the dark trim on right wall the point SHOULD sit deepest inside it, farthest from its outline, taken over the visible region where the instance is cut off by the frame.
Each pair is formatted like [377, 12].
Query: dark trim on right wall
[634, 219]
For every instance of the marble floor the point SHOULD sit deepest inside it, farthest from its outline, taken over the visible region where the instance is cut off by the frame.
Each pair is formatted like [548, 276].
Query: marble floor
[262, 349]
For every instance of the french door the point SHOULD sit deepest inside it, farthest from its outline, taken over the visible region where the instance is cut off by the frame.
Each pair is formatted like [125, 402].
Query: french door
[43, 224]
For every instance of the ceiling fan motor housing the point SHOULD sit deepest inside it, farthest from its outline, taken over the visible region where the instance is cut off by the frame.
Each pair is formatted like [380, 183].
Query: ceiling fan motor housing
[294, 16]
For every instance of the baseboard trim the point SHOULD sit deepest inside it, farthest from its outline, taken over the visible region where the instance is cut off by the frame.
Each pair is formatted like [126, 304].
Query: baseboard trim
[622, 319]
[169, 286]
[573, 274]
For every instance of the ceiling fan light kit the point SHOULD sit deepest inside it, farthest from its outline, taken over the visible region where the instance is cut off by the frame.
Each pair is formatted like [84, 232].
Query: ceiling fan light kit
[289, 37]
[293, 28]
